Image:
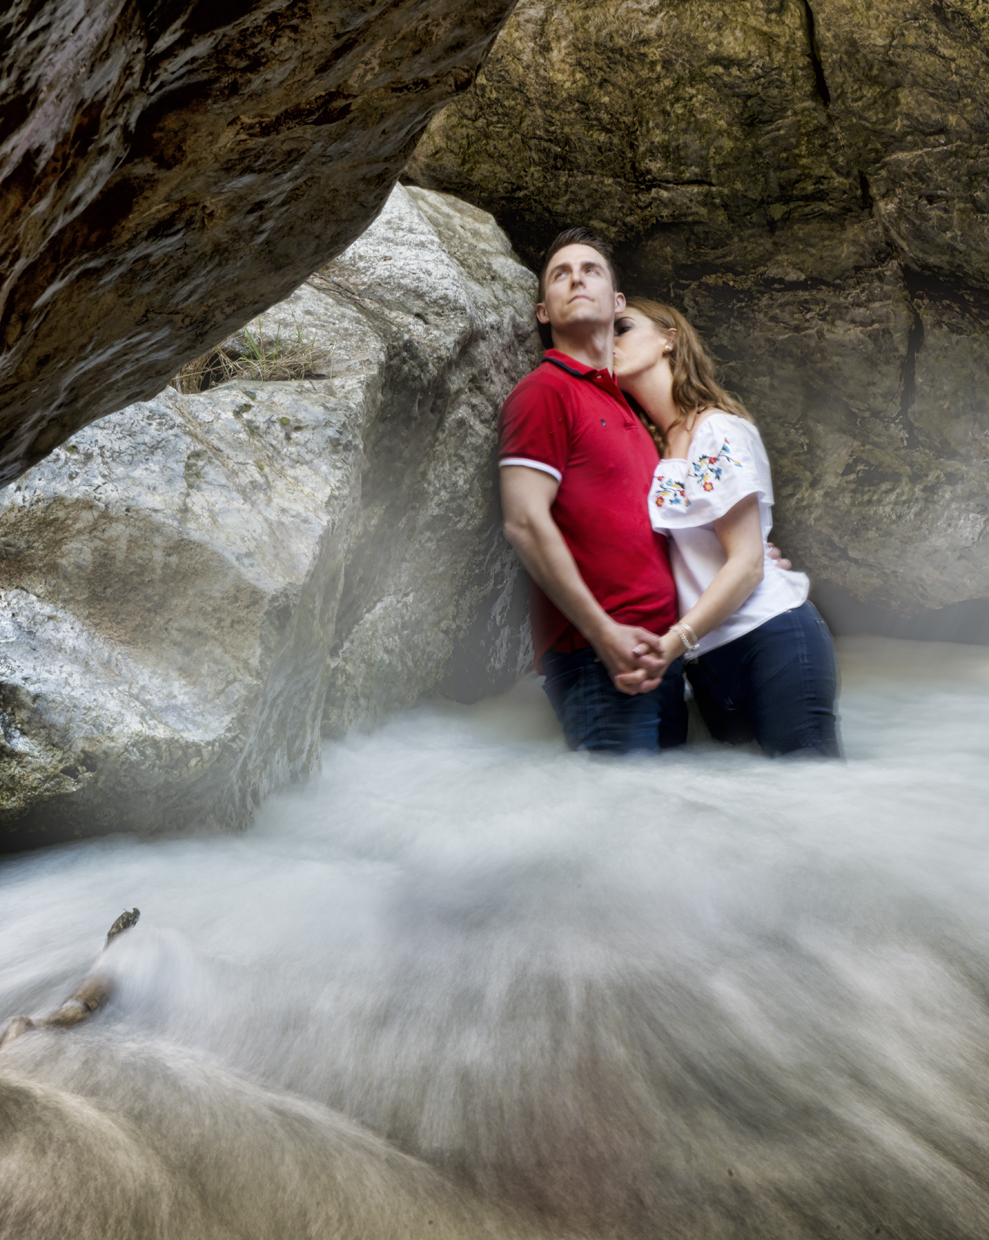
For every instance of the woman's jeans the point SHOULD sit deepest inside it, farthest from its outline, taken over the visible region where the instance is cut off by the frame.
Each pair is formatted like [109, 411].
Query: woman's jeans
[776, 684]
[596, 715]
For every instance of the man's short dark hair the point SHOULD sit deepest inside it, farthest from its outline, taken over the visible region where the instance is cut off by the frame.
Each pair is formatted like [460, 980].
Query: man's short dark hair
[571, 236]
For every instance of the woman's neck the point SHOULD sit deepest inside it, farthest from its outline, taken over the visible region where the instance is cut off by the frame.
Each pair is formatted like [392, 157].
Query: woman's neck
[654, 392]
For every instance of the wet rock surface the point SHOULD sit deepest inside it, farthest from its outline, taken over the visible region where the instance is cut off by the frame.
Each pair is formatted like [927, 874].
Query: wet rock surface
[189, 581]
[807, 181]
[170, 169]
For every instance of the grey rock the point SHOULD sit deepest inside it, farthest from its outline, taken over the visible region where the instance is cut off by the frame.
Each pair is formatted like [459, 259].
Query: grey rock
[192, 579]
[806, 180]
[170, 169]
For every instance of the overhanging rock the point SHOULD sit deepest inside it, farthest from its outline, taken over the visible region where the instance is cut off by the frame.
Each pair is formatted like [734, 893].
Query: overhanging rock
[170, 169]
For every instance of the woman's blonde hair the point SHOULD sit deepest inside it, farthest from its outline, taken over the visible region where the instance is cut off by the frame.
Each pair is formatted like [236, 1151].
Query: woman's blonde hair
[694, 385]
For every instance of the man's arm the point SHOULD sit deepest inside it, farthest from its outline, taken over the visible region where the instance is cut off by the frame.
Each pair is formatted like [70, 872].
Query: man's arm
[526, 498]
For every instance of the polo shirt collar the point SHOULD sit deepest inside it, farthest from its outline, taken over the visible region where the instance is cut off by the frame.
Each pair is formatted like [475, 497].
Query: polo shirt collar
[603, 379]
[554, 355]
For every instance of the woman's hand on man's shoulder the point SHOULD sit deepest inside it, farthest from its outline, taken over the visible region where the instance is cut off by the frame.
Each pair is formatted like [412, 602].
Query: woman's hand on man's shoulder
[777, 555]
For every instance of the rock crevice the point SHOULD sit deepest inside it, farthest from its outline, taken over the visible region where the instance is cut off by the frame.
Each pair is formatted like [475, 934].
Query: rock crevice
[814, 52]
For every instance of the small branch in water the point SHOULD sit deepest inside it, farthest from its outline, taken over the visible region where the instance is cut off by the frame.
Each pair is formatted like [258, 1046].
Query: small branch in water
[88, 997]
[123, 922]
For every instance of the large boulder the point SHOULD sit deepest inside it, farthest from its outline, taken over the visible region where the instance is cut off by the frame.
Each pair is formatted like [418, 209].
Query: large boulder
[188, 580]
[808, 182]
[170, 168]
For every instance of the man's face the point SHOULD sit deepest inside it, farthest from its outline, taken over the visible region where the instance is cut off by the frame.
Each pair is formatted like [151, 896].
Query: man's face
[578, 291]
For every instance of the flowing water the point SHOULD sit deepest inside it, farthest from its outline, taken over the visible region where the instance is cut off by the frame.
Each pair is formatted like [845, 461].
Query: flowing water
[702, 996]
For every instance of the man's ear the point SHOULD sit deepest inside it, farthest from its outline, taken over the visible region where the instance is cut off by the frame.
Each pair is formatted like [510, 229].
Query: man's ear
[619, 302]
[541, 314]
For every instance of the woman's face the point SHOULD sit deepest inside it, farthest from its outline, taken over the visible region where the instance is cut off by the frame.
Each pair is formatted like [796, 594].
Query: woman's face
[639, 346]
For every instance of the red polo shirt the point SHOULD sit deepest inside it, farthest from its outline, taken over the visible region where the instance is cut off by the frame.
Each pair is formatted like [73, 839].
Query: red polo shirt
[572, 422]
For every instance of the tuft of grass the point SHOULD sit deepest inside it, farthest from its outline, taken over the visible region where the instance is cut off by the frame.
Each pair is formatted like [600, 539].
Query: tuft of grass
[251, 356]
[202, 373]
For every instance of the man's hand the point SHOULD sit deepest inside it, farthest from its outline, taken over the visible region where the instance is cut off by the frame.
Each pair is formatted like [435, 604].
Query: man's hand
[640, 680]
[633, 656]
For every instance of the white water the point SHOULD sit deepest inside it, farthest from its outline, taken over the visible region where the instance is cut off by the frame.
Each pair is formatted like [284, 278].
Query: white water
[703, 995]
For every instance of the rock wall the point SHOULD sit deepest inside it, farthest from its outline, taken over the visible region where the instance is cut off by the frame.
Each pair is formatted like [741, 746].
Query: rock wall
[171, 168]
[808, 181]
[190, 581]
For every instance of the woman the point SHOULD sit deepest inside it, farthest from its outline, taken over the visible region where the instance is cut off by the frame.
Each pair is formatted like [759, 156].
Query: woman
[759, 657]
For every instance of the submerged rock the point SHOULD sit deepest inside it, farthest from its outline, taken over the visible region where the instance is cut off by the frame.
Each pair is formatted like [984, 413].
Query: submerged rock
[807, 180]
[171, 168]
[146, 1142]
[186, 580]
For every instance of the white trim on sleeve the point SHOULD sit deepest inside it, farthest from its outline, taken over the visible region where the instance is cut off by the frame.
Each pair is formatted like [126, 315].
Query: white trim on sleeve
[524, 460]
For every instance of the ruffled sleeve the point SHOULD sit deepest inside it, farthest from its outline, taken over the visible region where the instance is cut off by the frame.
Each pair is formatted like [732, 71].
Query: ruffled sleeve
[727, 462]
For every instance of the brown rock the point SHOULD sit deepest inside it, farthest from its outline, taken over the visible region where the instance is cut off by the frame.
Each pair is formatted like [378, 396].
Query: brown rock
[808, 182]
[171, 168]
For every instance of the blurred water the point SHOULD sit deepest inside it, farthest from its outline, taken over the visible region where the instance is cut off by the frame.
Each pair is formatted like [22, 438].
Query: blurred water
[706, 994]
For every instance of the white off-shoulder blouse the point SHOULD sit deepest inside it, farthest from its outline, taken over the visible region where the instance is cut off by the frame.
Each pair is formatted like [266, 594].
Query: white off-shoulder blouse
[727, 463]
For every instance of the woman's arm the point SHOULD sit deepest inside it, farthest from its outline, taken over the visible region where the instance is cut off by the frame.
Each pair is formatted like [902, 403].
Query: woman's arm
[740, 533]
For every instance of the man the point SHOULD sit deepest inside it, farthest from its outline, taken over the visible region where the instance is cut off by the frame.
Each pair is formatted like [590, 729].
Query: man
[576, 464]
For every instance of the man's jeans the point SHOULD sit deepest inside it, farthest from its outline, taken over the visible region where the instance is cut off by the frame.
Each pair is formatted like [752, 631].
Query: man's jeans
[596, 715]
[775, 685]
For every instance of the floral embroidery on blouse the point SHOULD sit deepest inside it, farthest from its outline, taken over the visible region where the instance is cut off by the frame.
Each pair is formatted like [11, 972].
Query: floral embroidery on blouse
[669, 491]
[707, 470]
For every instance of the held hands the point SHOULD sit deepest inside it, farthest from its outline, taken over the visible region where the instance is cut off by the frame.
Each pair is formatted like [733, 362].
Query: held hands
[633, 656]
[638, 680]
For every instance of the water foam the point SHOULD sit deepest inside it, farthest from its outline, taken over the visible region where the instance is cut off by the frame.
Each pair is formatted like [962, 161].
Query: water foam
[708, 994]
